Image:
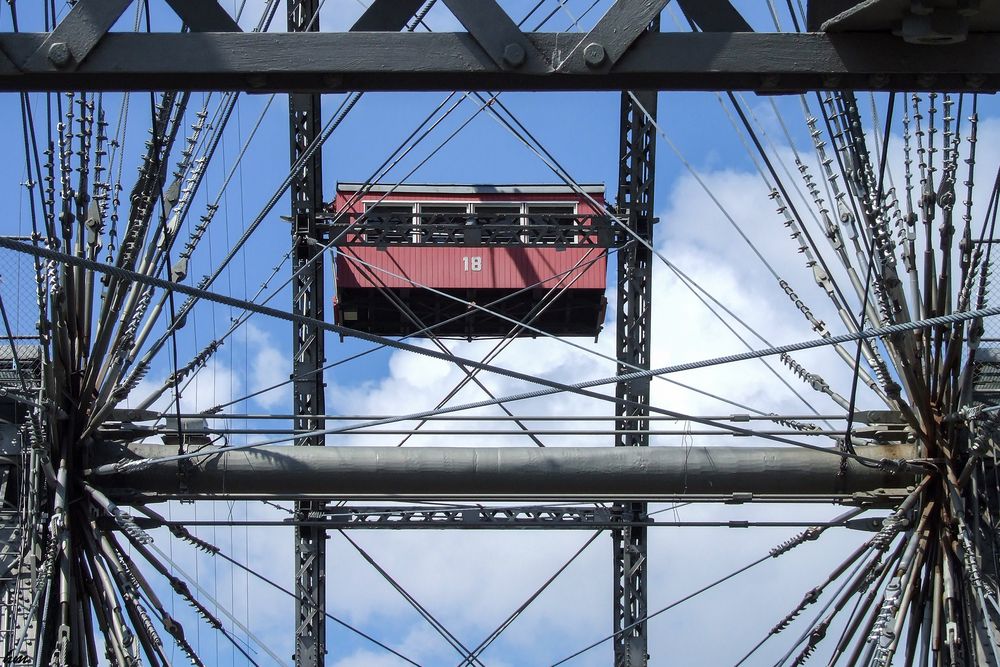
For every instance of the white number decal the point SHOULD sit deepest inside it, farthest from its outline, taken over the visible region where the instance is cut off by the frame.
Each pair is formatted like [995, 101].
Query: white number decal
[472, 263]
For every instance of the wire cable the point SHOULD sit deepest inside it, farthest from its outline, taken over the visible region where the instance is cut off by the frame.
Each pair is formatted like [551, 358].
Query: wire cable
[848, 445]
[453, 641]
[270, 582]
[580, 388]
[670, 606]
[493, 636]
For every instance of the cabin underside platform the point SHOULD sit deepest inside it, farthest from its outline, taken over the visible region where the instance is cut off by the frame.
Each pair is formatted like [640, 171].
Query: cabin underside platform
[461, 313]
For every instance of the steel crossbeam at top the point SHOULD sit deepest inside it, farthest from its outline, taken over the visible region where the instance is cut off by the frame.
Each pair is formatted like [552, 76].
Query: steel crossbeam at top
[82, 53]
[336, 62]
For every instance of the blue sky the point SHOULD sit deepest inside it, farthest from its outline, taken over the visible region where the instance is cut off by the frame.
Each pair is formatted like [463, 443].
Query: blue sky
[472, 580]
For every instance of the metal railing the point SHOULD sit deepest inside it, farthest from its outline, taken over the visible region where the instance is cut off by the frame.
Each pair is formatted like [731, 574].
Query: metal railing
[470, 229]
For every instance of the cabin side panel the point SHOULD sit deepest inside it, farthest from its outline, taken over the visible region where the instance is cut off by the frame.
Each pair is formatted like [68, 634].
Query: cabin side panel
[472, 268]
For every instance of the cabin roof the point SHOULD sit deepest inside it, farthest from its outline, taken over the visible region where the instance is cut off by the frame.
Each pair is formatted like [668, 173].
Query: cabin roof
[476, 188]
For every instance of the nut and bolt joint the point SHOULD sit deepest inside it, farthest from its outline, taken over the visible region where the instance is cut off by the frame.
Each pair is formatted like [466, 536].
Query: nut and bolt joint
[594, 54]
[514, 55]
[59, 54]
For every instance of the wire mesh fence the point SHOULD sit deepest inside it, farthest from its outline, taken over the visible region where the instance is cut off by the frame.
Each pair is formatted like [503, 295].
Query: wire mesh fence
[17, 291]
[20, 358]
[986, 378]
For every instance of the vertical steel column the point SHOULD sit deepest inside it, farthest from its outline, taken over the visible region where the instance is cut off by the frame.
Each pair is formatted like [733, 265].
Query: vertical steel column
[307, 299]
[635, 202]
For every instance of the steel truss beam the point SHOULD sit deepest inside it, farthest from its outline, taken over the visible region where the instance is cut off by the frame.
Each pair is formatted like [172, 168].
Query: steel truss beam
[475, 518]
[334, 62]
[548, 517]
[636, 178]
[589, 474]
[305, 118]
[309, 388]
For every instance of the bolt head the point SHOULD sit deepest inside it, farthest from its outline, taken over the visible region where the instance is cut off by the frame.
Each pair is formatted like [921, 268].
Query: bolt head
[594, 54]
[59, 54]
[514, 55]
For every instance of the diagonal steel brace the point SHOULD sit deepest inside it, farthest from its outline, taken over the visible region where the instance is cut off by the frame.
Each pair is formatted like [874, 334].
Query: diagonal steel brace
[204, 16]
[714, 15]
[86, 24]
[613, 35]
[70, 42]
[499, 36]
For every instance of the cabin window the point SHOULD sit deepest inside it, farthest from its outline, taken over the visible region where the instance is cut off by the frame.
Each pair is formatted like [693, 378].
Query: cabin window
[549, 215]
[394, 218]
[400, 214]
[499, 214]
[504, 214]
[442, 214]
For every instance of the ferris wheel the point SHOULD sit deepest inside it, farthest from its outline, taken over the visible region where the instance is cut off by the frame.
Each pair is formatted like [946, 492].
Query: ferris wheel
[671, 341]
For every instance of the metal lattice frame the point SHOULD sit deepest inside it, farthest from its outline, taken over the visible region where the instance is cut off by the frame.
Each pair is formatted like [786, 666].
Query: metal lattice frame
[635, 267]
[618, 52]
[305, 115]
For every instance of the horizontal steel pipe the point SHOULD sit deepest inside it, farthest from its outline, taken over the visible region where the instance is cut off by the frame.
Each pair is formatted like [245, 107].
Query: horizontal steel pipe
[504, 472]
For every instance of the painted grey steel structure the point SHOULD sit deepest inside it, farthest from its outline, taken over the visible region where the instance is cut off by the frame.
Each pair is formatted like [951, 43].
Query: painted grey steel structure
[495, 54]
[633, 340]
[552, 473]
[308, 357]
[335, 62]
[21, 547]
[454, 230]
[475, 518]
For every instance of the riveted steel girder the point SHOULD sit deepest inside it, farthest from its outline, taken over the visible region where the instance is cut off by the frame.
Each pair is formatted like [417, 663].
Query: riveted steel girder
[766, 62]
[308, 388]
[636, 182]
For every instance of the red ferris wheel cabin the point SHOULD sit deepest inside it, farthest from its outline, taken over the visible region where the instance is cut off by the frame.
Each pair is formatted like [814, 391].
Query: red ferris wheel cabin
[470, 261]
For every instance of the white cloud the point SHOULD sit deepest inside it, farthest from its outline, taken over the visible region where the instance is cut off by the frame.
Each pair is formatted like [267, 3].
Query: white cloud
[210, 385]
[270, 366]
[367, 658]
